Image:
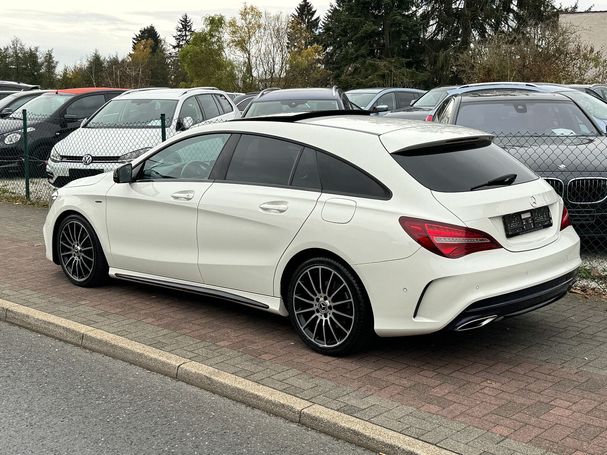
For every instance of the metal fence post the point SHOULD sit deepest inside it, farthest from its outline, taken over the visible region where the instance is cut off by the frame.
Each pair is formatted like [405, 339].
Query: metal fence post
[26, 156]
[163, 131]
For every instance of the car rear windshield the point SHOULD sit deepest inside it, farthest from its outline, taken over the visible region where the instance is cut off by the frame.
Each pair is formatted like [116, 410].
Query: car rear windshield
[526, 117]
[454, 168]
[44, 106]
[259, 108]
[133, 113]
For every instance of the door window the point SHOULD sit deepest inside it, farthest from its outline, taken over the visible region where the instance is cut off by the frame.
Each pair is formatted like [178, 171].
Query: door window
[190, 159]
[224, 103]
[263, 160]
[403, 99]
[84, 107]
[386, 100]
[306, 173]
[340, 177]
[208, 106]
[190, 108]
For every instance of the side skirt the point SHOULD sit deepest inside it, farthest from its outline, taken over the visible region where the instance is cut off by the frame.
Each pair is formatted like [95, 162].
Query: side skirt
[193, 289]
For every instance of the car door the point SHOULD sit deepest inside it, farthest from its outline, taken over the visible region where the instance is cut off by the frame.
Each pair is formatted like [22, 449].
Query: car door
[251, 214]
[151, 222]
[190, 110]
[76, 111]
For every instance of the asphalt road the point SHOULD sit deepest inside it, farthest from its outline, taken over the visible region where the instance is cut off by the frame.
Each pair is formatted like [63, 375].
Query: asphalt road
[59, 399]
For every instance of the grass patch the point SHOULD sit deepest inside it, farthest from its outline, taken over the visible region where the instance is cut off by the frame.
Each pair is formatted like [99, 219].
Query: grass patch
[14, 198]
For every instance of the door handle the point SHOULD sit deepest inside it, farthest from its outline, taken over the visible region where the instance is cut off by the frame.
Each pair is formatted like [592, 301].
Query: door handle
[274, 206]
[186, 195]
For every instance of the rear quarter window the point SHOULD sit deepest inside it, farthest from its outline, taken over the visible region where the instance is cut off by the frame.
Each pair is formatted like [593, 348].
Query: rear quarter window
[461, 167]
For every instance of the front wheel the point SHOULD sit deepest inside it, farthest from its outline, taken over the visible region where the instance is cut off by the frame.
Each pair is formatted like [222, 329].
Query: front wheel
[328, 307]
[80, 253]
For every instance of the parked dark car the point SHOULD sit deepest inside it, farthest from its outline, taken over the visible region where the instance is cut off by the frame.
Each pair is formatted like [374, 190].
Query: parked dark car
[423, 106]
[243, 100]
[15, 100]
[298, 100]
[554, 137]
[50, 118]
[373, 99]
[16, 86]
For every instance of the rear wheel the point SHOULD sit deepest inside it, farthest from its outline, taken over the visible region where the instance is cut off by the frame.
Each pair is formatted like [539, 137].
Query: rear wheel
[80, 253]
[328, 307]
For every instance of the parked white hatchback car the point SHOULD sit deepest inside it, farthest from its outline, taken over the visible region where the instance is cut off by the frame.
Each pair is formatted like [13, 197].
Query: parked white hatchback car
[347, 224]
[130, 125]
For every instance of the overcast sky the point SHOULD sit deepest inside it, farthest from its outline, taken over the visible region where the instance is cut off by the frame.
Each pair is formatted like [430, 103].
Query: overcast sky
[74, 28]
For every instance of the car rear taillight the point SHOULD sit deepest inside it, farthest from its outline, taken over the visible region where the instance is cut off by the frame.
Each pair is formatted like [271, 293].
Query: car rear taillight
[447, 240]
[429, 117]
[565, 220]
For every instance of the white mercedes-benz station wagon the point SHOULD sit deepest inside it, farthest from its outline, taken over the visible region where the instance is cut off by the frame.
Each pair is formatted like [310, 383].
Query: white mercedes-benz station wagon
[348, 224]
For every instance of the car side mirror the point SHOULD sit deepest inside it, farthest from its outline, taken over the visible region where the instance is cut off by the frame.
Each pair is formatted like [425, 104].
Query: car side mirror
[124, 174]
[69, 120]
[185, 123]
[381, 108]
[6, 112]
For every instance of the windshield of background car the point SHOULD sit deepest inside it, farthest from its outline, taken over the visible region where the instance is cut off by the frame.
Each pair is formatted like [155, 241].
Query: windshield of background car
[589, 103]
[431, 98]
[459, 168]
[361, 99]
[133, 113]
[259, 108]
[525, 118]
[44, 105]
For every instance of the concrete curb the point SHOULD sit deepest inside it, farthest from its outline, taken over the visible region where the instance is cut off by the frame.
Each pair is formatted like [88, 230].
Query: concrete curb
[320, 418]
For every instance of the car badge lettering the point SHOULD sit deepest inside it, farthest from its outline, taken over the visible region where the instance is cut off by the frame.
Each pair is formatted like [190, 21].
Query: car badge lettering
[87, 159]
[533, 201]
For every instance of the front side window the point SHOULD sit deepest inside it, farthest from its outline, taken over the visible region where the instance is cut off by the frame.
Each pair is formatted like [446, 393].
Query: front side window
[190, 159]
[190, 108]
[263, 160]
[386, 100]
[84, 107]
[133, 113]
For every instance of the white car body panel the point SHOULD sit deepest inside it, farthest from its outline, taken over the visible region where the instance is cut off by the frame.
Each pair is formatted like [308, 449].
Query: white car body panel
[240, 243]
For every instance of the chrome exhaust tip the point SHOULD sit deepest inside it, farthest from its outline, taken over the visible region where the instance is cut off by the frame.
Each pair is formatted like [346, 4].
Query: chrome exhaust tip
[476, 323]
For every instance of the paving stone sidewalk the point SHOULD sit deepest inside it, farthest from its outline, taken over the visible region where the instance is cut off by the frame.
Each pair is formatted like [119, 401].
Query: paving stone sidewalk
[535, 384]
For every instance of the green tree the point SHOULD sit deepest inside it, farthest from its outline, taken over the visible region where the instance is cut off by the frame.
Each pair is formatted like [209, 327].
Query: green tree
[183, 32]
[243, 35]
[48, 74]
[158, 65]
[305, 17]
[95, 69]
[372, 42]
[204, 59]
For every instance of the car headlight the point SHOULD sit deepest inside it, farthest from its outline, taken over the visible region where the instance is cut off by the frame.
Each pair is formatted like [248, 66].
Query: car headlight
[11, 138]
[53, 198]
[134, 154]
[55, 155]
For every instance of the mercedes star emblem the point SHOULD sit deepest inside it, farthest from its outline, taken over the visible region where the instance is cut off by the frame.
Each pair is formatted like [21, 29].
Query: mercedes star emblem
[533, 201]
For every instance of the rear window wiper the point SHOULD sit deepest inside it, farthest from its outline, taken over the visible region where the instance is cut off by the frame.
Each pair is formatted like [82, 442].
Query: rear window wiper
[504, 180]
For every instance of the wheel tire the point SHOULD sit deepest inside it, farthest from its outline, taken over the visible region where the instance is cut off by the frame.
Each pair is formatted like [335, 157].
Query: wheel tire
[328, 307]
[80, 253]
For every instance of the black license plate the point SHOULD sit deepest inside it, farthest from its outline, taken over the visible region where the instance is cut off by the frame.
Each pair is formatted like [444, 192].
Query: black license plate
[79, 173]
[527, 221]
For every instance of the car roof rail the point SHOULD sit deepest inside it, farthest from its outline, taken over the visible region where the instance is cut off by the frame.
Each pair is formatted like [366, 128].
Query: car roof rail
[305, 115]
[144, 89]
[335, 89]
[267, 90]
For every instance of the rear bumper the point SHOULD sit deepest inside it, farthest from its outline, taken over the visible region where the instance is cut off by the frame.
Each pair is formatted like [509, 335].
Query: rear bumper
[513, 303]
[426, 293]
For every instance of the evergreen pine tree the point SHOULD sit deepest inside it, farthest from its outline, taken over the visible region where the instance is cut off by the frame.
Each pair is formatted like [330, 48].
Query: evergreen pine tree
[184, 31]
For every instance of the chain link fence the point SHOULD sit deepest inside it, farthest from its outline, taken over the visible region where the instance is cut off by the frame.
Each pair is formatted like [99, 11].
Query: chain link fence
[39, 153]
